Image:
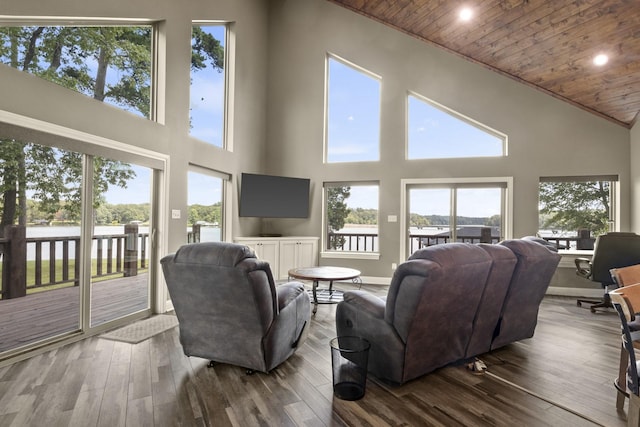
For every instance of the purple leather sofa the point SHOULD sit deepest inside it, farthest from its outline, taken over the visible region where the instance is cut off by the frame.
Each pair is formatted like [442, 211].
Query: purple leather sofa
[448, 303]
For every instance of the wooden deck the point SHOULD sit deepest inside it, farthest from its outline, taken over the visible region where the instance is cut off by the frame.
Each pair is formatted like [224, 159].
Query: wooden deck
[49, 313]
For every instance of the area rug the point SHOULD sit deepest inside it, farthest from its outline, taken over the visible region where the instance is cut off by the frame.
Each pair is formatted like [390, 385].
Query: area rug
[142, 329]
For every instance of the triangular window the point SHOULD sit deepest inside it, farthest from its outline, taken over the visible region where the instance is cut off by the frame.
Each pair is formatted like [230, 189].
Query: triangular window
[436, 132]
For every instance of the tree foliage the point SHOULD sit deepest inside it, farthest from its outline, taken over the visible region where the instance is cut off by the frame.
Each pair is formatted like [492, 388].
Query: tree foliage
[211, 214]
[575, 205]
[337, 212]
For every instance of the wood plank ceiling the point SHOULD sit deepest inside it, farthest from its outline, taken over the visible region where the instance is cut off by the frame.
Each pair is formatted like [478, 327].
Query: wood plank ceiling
[547, 44]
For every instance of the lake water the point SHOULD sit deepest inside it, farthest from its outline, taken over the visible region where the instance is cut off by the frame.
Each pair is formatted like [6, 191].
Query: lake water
[206, 234]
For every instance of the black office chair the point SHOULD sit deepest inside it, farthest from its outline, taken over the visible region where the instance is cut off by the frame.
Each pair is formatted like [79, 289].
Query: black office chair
[611, 250]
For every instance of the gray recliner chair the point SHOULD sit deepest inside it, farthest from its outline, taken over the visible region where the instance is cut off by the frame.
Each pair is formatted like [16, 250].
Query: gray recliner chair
[230, 310]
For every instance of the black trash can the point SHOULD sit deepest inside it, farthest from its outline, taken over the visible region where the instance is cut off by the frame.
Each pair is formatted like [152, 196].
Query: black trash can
[349, 358]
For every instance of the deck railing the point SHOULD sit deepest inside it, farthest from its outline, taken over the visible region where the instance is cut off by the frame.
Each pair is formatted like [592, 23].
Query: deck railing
[356, 242]
[367, 242]
[112, 254]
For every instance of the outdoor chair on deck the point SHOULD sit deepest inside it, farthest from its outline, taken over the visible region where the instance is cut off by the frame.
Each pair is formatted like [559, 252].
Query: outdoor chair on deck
[611, 250]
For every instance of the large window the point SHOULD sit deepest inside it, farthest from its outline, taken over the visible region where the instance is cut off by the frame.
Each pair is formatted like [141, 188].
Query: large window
[575, 210]
[464, 210]
[353, 113]
[351, 217]
[205, 205]
[208, 84]
[108, 63]
[435, 131]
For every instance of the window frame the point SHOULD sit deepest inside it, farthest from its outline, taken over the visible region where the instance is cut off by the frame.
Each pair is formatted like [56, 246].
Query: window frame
[506, 182]
[229, 65]
[329, 57]
[456, 115]
[155, 76]
[225, 213]
[614, 198]
[326, 253]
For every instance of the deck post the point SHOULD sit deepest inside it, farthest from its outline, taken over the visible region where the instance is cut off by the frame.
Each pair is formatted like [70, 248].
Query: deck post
[14, 271]
[194, 236]
[131, 250]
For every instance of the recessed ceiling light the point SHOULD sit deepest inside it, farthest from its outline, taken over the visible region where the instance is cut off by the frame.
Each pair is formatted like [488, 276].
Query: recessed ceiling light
[600, 59]
[466, 14]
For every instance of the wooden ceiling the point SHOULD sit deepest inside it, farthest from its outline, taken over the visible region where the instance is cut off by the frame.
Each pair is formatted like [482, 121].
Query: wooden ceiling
[548, 44]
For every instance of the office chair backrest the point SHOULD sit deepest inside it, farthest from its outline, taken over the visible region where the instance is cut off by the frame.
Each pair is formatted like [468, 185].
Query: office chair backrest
[614, 250]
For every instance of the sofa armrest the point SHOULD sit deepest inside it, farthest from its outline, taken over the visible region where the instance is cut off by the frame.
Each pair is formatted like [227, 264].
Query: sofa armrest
[366, 302]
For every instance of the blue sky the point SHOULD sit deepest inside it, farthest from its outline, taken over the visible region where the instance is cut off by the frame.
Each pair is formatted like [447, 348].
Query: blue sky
[206, 101]
[203, 189]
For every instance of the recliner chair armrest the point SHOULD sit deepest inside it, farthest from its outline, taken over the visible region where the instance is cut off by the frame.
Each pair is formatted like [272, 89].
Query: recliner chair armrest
[583, 267]
[366, 302]
[288, 292]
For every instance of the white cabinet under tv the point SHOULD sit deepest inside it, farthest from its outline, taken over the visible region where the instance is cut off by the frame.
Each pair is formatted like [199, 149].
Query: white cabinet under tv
[283, 253]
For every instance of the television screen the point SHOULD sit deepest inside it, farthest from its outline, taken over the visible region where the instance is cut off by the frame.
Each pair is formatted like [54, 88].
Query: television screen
[268, 196]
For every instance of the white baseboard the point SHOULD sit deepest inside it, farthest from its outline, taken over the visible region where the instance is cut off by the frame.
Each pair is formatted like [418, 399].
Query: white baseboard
[575, 292]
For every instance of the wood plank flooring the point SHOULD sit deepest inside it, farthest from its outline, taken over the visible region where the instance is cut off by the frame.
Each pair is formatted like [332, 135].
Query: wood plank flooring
[560, 377]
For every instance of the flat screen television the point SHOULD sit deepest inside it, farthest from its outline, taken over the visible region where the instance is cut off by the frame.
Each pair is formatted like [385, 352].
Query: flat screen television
[269, 196]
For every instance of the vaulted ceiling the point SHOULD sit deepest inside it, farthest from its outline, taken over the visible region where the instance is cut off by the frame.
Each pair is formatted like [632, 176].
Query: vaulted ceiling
[547, 44]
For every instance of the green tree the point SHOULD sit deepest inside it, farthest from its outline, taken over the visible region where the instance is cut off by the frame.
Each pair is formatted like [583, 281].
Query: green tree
[207, 213]
[417, 220]
[337, 212]
[575, 205]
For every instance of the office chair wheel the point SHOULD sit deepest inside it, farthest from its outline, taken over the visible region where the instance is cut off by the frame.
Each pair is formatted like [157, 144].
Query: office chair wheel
[250, 372]
[211, 364]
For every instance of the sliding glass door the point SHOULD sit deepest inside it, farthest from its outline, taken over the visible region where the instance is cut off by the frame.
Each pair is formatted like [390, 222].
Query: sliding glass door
[120, 244]
[471, 212]
[76, 249]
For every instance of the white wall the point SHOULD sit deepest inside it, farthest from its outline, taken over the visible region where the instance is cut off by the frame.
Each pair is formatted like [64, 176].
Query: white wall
[547, 137]
[26, 95]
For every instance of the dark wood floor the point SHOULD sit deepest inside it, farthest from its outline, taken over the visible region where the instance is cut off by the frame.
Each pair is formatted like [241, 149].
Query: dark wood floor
[561, 377]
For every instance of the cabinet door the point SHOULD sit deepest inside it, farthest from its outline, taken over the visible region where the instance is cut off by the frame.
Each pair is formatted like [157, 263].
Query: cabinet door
[287, 257]
[297, 253]
[306, 253]
[269, 251]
